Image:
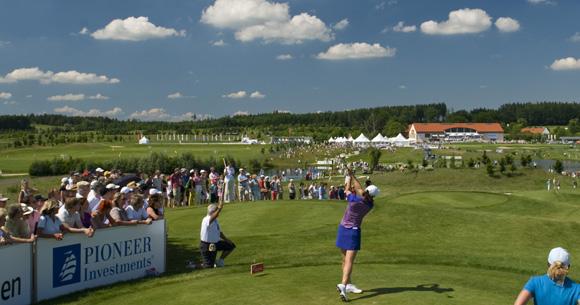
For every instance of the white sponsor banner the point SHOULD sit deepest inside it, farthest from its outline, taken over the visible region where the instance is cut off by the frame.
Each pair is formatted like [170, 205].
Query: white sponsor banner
[111, 255]
[16, 274]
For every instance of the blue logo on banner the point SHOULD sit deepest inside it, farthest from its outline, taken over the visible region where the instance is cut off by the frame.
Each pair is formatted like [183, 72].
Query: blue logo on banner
[66, 265]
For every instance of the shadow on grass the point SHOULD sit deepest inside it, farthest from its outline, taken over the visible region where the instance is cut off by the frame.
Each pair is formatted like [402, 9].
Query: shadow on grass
[179, 255]
[420, 288]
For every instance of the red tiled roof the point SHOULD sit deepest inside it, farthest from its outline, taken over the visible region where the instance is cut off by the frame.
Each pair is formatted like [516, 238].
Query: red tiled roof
[534, 130]
[441, 127]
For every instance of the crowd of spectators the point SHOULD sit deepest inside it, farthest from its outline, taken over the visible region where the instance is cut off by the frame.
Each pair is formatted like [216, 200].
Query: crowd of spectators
[98, 199]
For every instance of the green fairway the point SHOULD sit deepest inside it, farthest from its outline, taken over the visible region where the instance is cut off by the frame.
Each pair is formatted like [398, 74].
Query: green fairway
[471, 239]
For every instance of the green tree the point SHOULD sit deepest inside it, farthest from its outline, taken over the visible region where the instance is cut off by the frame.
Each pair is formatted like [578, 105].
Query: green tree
[394, 127]
[489, 169]
[375, 155]
[573, 126]
[558, 167]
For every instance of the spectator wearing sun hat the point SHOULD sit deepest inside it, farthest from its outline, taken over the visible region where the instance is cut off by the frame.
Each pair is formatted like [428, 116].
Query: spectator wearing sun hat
[243, 186]
[17, 223]
[3, 201]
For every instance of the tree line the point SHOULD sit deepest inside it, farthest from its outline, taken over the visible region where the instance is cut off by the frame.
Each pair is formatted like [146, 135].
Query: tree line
[388, 120]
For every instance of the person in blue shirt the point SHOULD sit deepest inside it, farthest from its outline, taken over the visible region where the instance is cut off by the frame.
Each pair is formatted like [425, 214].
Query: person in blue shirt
[554, 288]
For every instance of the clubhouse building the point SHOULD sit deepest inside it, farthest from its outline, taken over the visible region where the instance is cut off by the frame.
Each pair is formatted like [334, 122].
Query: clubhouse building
[432, 132]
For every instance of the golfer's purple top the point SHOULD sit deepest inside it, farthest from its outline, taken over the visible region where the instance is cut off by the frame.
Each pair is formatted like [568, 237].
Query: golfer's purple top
[355, 211]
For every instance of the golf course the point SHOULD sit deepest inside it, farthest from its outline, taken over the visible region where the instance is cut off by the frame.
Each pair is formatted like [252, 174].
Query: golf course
[442, 236]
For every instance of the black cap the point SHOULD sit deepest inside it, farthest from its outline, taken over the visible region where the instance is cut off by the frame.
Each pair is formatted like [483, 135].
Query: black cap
[40, 198]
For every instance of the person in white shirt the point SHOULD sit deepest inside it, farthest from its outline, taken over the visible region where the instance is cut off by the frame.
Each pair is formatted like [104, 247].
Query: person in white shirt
[213, 240]
[94, 197]
[229, 173]
[70, 217]
[136, 211]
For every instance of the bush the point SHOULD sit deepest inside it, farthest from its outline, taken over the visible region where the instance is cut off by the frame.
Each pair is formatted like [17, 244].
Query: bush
[40, 168]
[489, 169]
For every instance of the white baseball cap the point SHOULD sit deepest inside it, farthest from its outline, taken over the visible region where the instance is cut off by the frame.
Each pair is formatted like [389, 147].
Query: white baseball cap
[64, 180]
[126, 190]
[373, 190]
[202, 171]
[100, 170]
[559, 254]
[112, 186]
[154, 191]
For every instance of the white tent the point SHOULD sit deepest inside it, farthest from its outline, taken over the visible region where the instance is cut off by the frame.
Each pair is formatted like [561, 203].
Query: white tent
[144, 140]
[399, 140]
[331, 140]
[362, 140]
[378, 139]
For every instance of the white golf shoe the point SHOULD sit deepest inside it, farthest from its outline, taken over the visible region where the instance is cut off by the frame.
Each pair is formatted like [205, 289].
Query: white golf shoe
[342, 289]
[350, 288]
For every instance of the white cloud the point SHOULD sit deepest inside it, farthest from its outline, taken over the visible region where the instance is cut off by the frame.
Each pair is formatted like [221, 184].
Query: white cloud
[257, 94]
[98, 97]
[93, 112]
[300, 27]
[71, 77]
[357, 50]
[575, 37]
[11, 103]
[341, 25]
[155, 114]
[25, 74]
[507, 24]
[84, 31]
[241, 113]
[160, 114]
[465, 21]
[5, 95]
[4, 43]
[219, 43]
[67, 97]
[175, 95]
[542, 1]
[134, 29]
[74, 77]
[405, 29]
[239, 94]
[569, 63]
[268, 21]
[284, 57]
[238, 14]
[402, 87]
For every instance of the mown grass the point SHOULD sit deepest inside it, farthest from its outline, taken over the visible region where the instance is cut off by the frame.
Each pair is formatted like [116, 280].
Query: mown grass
[434, 237]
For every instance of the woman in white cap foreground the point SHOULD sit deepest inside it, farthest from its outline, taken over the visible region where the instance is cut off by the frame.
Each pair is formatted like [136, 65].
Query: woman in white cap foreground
[349, 231]
[555, 287]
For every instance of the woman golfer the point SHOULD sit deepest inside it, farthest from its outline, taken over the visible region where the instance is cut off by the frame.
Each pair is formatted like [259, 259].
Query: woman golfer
[349, 231]
[555, 287]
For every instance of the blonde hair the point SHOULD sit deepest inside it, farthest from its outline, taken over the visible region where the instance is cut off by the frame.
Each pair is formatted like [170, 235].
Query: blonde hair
[24, 185]
[558, 272]
[137, 200]
[48, 206]
[116, 198]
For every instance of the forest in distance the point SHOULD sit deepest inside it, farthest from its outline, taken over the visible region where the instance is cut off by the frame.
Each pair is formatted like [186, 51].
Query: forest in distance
[387, 119]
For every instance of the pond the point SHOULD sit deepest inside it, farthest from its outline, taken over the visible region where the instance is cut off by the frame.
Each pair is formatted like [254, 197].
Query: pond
[572, 166]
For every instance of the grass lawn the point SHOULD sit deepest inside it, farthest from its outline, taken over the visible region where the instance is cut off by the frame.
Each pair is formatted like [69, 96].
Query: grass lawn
[434, 237]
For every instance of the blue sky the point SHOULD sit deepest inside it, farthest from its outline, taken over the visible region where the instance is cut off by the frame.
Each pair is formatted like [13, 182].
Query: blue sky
[168, 60]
